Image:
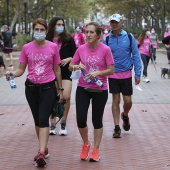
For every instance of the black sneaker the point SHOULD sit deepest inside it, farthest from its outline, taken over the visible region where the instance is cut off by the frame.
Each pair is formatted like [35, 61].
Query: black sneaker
[126, 123]
[117, 133]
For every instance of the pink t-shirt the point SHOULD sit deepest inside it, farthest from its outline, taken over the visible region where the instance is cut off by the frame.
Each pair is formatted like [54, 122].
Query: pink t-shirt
[94, 60]
[78, 39]
[105, 35]
[145, 46]
[40, 61]
[59, 44]
[166, 34]
[122, 75]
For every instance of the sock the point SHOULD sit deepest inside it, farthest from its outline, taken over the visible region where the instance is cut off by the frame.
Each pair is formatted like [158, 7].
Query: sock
[63, 122]
[53, 124]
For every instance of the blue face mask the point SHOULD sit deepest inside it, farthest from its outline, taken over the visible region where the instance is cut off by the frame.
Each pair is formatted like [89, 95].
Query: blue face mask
[77, 30]
[39, 36]
[59, 30]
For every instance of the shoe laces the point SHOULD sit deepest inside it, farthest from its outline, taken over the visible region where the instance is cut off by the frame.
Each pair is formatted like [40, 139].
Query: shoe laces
[95, 153]
[53, 127]
[41, 154]
[63, 126]
[85, 148]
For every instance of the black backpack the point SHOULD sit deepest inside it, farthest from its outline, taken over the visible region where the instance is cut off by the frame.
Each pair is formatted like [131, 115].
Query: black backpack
[130, 39]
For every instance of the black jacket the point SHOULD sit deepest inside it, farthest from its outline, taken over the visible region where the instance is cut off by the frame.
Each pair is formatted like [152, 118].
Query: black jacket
[7, 39]
[166, 40]
[67, 49]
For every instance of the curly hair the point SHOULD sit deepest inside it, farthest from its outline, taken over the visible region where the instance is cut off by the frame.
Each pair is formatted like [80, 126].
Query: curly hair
[64, 36]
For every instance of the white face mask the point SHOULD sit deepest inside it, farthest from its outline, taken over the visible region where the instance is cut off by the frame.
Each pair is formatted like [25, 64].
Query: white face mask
[59, 30]
[153, 31]
[105, 31]
[39, 36]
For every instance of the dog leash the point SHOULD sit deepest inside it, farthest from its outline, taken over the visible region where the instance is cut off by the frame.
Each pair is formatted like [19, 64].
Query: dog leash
[153, 61]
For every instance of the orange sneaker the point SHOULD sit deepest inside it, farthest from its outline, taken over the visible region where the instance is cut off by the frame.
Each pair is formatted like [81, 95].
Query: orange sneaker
[85, 151]
[95, 156]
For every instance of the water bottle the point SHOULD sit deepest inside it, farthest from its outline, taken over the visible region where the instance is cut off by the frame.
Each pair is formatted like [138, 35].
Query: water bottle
[85, 74]
[98, 82]
[12, 83]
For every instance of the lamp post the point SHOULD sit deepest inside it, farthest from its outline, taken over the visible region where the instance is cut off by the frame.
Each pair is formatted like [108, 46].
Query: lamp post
[25, 14]
[7, 12]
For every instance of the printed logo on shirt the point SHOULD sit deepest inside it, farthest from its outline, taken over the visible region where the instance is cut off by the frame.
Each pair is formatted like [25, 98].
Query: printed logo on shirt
[38, 64]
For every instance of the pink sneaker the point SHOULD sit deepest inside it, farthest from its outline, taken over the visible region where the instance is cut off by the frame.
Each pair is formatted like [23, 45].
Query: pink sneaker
[40, 159]
[85, 151]
[46, 155]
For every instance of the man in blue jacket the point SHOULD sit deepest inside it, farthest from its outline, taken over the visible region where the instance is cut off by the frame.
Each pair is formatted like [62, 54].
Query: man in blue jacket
[126, 55]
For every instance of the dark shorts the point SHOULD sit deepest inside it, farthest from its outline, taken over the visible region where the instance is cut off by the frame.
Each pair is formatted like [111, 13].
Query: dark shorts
[123, 86]
[65, 74]
[7, 51]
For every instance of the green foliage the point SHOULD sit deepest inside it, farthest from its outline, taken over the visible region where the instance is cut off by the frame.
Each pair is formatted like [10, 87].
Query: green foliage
[22, 39]
[70, 30]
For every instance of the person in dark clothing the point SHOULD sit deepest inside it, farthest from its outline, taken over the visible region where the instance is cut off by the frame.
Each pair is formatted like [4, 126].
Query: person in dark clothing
[58, 34]
[2, 65]
[7, 43]
[166, 40]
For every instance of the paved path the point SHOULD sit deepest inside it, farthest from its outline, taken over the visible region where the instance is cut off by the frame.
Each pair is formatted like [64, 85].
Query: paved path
[145, 147]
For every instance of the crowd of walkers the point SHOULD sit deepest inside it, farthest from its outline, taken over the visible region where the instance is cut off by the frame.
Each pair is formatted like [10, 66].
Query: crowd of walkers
[103, 61]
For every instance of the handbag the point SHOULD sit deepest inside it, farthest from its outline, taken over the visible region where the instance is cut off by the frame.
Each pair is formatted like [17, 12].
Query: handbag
[76, 74]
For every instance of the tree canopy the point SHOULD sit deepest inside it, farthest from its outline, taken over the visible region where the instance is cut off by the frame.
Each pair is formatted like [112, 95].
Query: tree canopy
[155, 12]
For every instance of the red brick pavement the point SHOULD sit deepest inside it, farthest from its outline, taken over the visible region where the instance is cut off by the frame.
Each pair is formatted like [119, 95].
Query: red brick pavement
[145, 147]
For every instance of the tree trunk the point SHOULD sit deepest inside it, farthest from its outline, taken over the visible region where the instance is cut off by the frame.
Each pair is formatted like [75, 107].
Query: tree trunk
[14, 20]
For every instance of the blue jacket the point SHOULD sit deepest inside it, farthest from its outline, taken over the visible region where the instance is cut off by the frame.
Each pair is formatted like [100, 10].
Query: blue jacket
[124, 55]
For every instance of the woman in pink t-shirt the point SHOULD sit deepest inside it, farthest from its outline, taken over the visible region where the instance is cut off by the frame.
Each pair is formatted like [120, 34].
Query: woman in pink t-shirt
[78, 37]
[58, 34]
[42, 59]
[144, 44]
[95, 59]
[167, 46]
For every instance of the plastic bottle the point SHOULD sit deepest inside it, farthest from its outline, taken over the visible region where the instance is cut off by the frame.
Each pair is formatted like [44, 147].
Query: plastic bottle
[12, 83]
[98, 82]
[85, 74]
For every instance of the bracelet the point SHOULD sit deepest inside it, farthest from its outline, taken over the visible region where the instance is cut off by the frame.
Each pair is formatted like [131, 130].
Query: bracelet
[61, 89]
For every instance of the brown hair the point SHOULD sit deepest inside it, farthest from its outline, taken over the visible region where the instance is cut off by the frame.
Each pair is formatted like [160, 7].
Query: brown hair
[41, 22]
[98, 28]
[142, 36]
[64, 36]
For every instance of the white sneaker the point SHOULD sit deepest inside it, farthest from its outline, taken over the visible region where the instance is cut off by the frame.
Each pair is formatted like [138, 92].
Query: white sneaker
[63, 130]
[53, 130]
[144, 79]
[147, 80]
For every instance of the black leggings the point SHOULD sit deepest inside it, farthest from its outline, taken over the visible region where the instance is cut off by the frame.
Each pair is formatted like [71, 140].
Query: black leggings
[99, 100]
[145, 60]
[41, 107]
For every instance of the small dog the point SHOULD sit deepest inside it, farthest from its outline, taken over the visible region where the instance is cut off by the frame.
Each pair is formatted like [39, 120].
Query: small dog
[165, 71]
[2, 62]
